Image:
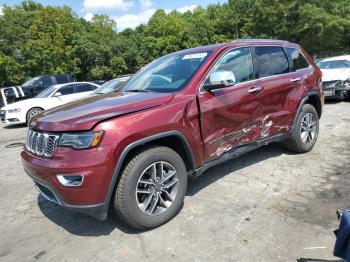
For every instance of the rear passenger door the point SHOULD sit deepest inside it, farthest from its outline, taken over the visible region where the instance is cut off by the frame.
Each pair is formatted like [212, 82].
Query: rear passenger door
[83, 89]
[279, 87]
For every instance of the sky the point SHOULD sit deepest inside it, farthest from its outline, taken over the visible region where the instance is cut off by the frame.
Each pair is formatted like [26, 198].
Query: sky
[127, 13]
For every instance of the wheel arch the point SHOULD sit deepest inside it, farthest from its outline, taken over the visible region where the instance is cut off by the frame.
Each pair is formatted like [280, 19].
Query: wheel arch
[172, 139]
[34, 107]
[313, 99]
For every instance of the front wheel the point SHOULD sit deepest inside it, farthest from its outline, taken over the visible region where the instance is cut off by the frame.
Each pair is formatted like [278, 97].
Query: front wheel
[305, 132]
[152, 188]
[33, 112]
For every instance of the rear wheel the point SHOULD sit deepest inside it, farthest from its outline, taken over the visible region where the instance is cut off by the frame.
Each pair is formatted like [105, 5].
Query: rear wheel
[152, 188]
[305, 131]
[33, 112]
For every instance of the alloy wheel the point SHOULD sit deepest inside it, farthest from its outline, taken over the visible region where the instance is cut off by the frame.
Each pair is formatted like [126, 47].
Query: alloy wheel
[157, 188]
[34, 113]
[308, 128]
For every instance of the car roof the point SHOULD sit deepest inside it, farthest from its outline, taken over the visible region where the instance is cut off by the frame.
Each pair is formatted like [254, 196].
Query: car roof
[239, 43]
[71, 83]
[337, 58]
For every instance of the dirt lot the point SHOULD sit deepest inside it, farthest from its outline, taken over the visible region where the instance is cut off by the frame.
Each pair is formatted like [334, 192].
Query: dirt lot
[269, 205]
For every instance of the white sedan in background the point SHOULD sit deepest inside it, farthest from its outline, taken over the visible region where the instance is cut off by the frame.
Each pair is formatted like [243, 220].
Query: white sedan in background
[56, 95]
[336, 76]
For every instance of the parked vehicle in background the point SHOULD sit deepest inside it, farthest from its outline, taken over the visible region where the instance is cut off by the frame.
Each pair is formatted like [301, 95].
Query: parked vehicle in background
[131, 151]
[10, 95]
[111, 86]
[32, 87]
[22, 111]
[336, 77]
[35, 85]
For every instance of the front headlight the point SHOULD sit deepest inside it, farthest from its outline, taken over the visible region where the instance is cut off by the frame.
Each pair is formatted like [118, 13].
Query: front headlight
[15, 110]
[83, 140]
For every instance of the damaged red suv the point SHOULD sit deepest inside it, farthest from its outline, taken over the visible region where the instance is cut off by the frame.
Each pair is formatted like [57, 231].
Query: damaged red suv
[132, 152]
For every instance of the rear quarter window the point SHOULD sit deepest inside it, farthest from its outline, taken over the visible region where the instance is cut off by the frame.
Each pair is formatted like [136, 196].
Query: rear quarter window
[297, 60]
[271, 60]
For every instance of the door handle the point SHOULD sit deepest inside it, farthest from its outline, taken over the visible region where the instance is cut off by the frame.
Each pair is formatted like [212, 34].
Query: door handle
[296, 79]
[255, 90]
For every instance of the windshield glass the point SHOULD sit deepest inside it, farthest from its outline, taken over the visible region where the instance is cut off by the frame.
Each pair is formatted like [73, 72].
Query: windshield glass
[167, 74]
[31, 82]
[334, 64]
[110, 86]
[46, 93]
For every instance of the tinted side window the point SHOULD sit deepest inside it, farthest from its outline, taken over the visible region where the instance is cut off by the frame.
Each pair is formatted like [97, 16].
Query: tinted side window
[46, 81]
[53, 80]
[239, 62]
[61, 79]
[67, 90]
[297, 59]
[271, 61]
[84, 88]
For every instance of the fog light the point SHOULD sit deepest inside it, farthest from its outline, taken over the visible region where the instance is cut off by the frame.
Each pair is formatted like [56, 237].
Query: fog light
[70, 180]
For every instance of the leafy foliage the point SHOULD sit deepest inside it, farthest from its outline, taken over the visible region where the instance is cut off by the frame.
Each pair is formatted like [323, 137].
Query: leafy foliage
[36, 39]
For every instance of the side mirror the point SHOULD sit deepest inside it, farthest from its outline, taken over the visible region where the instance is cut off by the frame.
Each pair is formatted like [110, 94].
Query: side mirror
[57, 94]
[220, 79]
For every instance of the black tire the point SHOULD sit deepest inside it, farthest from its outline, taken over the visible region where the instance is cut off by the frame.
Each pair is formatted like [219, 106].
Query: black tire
[295, 142]
[125, 203]
[33, 112]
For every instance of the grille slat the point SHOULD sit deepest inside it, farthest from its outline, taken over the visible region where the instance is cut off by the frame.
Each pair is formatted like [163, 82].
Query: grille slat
[42, 144]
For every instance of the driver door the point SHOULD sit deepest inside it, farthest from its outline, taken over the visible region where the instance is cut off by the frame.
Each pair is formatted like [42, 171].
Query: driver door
[64, 95]
[228, 114]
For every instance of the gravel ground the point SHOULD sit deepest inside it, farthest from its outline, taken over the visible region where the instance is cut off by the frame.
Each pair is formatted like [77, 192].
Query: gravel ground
[269, 205]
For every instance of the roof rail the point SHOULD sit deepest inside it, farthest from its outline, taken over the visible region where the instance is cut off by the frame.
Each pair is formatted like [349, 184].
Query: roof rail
[259, 39]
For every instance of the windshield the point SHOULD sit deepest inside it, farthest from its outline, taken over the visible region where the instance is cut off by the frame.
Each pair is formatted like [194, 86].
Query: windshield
[110, 86]
[167, 74]
[334, 64]
[31, 82]
[46, 93]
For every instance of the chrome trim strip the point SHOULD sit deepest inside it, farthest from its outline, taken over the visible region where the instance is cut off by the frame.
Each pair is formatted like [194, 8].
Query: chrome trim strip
[65, 182]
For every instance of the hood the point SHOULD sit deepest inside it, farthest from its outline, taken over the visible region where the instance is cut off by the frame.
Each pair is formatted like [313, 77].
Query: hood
[335, 74]
[86, 113]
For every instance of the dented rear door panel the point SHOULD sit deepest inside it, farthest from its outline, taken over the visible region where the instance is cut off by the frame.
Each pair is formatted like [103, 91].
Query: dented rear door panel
[278, 93]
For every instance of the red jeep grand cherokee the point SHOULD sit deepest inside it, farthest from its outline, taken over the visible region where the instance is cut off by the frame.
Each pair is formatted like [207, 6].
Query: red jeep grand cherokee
[132, 151]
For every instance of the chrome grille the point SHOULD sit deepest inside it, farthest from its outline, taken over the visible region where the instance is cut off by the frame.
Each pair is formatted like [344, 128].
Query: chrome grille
[42, 144]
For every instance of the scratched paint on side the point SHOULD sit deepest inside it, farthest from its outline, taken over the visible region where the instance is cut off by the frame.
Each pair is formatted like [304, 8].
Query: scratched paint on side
[261, 129]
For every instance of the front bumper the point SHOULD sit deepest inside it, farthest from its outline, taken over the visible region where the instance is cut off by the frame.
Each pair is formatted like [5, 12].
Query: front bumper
[13, 118]
[336, 89]
[95, 165]
[97, 211]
